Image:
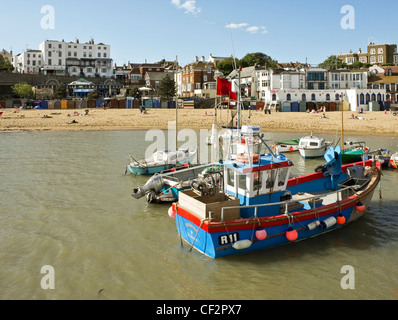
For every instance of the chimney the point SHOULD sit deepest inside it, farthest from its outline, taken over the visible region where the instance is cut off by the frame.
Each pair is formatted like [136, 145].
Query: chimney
[196, 58]
[203, 58]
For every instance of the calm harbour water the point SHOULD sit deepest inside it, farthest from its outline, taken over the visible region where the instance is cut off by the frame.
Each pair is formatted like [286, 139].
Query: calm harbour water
[66, 203]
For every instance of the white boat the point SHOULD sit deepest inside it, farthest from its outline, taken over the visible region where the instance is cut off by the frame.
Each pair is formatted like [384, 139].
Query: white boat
[313, 147]
[160, 161]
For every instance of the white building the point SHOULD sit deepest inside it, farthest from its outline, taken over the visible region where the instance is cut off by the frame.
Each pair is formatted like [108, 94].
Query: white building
[28, 62]
[316, 85]
[77, 59]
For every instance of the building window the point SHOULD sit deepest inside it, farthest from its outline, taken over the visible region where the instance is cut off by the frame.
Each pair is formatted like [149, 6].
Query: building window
[372, 59]
[362, 99]
[380, 51]
[304, 97]
[313, 97]
[328, 97]
[381, 59]
[373, 51]
[289, 97]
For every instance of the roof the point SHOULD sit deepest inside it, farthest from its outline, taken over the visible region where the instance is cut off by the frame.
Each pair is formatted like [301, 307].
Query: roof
[246, 72]
[267, 162]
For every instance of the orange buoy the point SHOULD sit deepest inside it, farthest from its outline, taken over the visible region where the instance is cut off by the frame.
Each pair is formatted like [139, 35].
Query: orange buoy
[360, 207]
[341, 219]
[292, 235]
[244, 158]
[261, 234]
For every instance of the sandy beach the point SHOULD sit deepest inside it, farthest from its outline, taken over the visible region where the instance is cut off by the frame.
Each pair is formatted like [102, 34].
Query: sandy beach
[369, 123]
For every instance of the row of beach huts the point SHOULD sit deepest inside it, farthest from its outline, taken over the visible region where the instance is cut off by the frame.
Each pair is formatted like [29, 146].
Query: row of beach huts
[131, 103]
[127, 103]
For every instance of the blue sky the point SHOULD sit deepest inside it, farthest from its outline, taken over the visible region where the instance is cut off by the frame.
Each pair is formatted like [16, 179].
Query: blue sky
[152, 30]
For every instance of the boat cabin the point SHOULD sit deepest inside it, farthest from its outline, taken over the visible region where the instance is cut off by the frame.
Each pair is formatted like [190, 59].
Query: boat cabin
[312, 142]
[253, 184]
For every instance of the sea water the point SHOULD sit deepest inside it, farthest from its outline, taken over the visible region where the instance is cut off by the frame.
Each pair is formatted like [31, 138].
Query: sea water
[67, 215]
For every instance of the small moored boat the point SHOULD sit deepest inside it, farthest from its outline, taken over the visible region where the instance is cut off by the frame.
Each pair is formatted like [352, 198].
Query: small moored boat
[287, 146]
[394, 160]
[313, 147]
[160, 161]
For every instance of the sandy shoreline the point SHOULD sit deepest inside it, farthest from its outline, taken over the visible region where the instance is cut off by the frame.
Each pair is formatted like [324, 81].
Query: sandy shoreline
[372, 123]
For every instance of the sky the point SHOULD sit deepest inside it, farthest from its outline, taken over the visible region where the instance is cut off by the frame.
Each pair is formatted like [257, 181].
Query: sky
[152, 30]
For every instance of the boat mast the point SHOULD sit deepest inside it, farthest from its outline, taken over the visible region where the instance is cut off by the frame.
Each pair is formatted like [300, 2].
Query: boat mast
[176, 93]
[238, 120]
[342, 121]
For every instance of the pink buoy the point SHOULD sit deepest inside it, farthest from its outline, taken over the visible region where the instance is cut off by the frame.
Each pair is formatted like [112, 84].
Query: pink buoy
[341, 220]
[292, 235]
[261, 234]
[360, 207]
[172, 213]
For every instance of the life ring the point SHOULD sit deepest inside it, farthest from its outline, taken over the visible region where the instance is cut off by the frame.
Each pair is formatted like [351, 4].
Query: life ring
[244, 158]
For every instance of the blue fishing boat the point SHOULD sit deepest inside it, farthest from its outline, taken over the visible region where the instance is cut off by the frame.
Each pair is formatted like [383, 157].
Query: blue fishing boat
[258, 205]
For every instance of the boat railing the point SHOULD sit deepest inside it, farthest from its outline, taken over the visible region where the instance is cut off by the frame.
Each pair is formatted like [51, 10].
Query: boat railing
[313, 199]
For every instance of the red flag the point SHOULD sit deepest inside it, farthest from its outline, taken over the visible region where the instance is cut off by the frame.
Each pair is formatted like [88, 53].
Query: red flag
[224, 88]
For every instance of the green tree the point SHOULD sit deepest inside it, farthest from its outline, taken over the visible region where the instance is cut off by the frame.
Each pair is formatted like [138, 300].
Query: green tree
[332, 63]
[167, 88]
[23, 90]
[5, 65]
[134, 92]
[93, 95]
[226, 66]
[44, 93]
[356, 65]
[252, 59]
[61, 92]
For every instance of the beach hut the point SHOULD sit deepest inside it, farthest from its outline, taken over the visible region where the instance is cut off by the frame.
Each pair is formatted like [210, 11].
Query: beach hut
[129, 102]
[9, 103]
[374, 106]
[171, 105]
[2, 104]
[286, 106]
[64, 104]
[346, 106]
[303, 106]
[99, 103]
[91, 104]
[83, 104]
[51, 104]
[332, 106]
[114, 104]
[57, 104]
[295, 106]
[71, 104]
[44, 104]
[122, 103]
[387, 105]
[148, 104]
